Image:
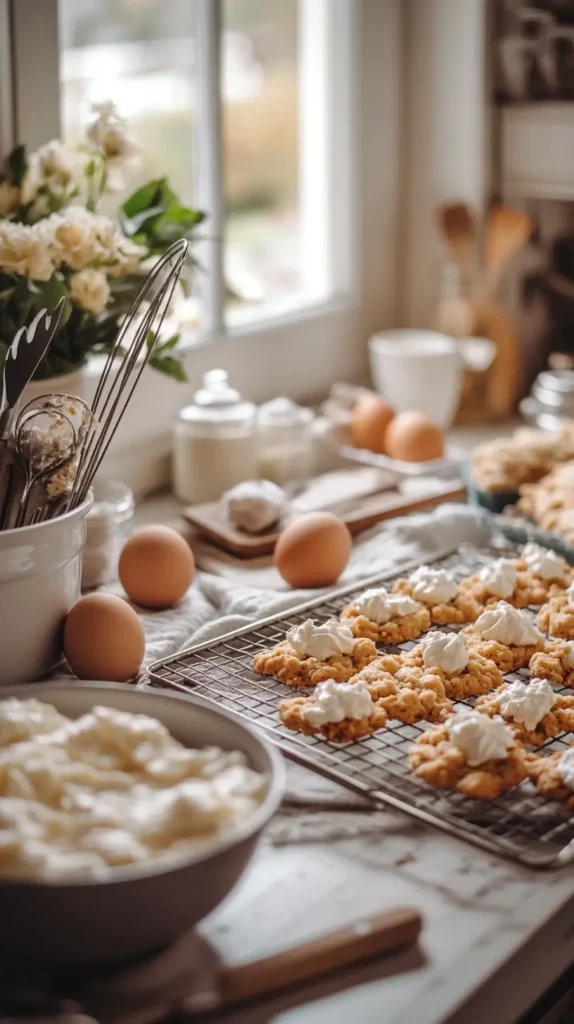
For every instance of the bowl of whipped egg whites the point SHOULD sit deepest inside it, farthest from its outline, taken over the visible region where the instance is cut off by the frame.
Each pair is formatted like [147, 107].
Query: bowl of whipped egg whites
[126, 816]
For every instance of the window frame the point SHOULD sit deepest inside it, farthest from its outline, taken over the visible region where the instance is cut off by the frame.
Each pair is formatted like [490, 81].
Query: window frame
[302, 350]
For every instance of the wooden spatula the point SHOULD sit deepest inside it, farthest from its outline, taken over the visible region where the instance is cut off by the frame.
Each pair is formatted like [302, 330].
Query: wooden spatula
[458, 228]
[507, 231]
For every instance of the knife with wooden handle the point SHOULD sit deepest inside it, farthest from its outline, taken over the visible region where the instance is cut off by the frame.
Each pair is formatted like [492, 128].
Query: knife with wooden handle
[22, 358]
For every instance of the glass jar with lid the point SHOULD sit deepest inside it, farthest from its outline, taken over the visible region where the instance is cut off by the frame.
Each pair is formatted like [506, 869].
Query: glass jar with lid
[285, 441]
[214, 442]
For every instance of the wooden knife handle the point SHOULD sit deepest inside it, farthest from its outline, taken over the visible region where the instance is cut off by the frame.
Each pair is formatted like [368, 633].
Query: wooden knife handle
[366, 938]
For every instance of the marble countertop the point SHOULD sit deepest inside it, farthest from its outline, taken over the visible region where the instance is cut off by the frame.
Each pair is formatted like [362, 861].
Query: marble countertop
[496, 935]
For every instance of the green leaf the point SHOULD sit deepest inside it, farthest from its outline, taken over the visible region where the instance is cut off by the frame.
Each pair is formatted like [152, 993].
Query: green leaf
[170, 366]
[51, 292]
[145, 197]
[164, 346]
[17, 165]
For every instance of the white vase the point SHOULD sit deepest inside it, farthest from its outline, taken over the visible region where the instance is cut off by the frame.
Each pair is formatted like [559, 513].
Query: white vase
[74, 383]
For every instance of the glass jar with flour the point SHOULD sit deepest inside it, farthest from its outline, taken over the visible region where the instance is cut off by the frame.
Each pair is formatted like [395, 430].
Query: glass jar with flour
[214, 442]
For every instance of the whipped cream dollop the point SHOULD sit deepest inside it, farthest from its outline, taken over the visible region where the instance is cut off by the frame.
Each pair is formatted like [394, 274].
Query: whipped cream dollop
[433, 586]
[527, 703]
[566, 768]
[499, 577]
[507, 625]
[445, 650]
[321, 640]
[254, 505]
[80, 798]
[380, 606]
[334, 702]
[544, 562]
[479, 737]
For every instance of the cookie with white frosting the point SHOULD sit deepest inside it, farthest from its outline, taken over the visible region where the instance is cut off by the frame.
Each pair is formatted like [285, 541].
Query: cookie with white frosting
[555, 662]
[505, 635]
[408, 694]
[556, 617]
[533, 709]
[464, 671]
[341, 712]
[439, 591]
[553, 776]
[470, 753]
[384, 617]
[314, 652]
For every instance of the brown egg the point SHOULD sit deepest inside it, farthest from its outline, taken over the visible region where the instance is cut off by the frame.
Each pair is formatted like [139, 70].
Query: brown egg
[104, 639]
[156, 567]
[370, 419]
[413, 437]
[313, 550]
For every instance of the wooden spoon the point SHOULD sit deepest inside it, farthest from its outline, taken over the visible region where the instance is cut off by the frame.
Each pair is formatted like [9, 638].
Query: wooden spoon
[458, 227]
[507, 231]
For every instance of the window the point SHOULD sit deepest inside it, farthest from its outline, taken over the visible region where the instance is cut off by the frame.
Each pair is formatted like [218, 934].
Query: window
[278, 117]
[209, 82]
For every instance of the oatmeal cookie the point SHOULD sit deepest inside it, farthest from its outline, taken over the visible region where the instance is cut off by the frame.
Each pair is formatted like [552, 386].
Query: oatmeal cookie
[544, 773]
[435, 759]
[480, 675]
[395, 631]
[292, 714]
[559, 719]
[507, 658]
[529, 589]
[410, 695]
[556, 617]
[463, 608]
[287, 666]
[555, 662]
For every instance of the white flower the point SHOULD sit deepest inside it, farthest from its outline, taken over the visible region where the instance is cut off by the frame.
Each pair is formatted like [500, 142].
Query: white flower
[90, 290]
[56, 168]
[26, 250]
[110, 132]
[9, 198]
[82, 238]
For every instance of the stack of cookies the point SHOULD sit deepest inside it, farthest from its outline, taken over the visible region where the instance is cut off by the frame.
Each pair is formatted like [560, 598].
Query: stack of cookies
[451, 641]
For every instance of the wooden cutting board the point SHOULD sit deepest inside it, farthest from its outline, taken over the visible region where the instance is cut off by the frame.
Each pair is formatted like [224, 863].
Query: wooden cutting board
[410, 495]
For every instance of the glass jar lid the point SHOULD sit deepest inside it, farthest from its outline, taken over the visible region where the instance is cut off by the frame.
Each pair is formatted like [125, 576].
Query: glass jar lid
[217, 403]
[282, 412]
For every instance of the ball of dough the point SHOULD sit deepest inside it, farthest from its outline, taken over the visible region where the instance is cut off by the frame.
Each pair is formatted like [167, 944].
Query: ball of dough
[313, 550]
[156, 567]
[413, 437]
[254, 505]
[104, 639]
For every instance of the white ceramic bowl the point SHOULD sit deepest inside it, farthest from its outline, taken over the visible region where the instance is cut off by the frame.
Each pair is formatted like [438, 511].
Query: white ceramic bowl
[139, 909]
[40, 574]
[418, 370]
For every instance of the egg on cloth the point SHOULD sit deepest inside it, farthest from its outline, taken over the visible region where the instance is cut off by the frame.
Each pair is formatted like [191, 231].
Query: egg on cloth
[313, 550]
[156, 567]
[104, 639]
[413, 437]
[369, 421]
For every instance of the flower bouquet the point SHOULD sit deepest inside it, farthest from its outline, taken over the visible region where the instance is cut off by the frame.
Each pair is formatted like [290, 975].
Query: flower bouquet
[55, 242]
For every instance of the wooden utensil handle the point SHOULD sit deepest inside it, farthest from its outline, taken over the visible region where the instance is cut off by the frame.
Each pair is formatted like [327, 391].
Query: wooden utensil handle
[368, 937]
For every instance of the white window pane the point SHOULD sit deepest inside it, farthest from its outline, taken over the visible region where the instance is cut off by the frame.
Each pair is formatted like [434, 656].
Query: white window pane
[260, 95]
[138, 53]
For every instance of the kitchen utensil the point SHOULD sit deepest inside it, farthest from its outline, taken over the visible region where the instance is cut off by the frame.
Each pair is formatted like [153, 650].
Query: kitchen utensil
[138, 910]
[365, 939]
[48, 434]
[507, 231]
[457, 224]
[131, 351]
[40, 570]
[22, 358]
[422, 370]
[504, 376]
[519, 825]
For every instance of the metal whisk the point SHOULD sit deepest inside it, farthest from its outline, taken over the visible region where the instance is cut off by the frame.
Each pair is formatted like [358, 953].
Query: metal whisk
[124, 366]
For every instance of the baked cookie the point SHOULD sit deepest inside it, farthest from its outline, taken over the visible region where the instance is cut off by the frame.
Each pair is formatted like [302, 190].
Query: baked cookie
[464, 672]
[466, 755]
[340, 712]
[386, 618]
[505, 579]
[313, 652]
[410, 695]
[439, 591]
[556, 617]
[553, 776]
[505, 635]
[533, 710]
[555, 662]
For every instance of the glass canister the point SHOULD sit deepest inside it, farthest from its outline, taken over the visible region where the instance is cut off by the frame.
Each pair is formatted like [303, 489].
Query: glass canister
[285, 441]
[214, 442]
[108, 526]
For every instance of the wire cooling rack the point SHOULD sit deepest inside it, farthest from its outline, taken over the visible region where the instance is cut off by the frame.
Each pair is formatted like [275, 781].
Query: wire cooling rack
[519, 825]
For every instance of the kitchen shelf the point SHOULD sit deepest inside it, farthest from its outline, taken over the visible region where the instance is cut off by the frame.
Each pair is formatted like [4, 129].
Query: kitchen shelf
[537, 150]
